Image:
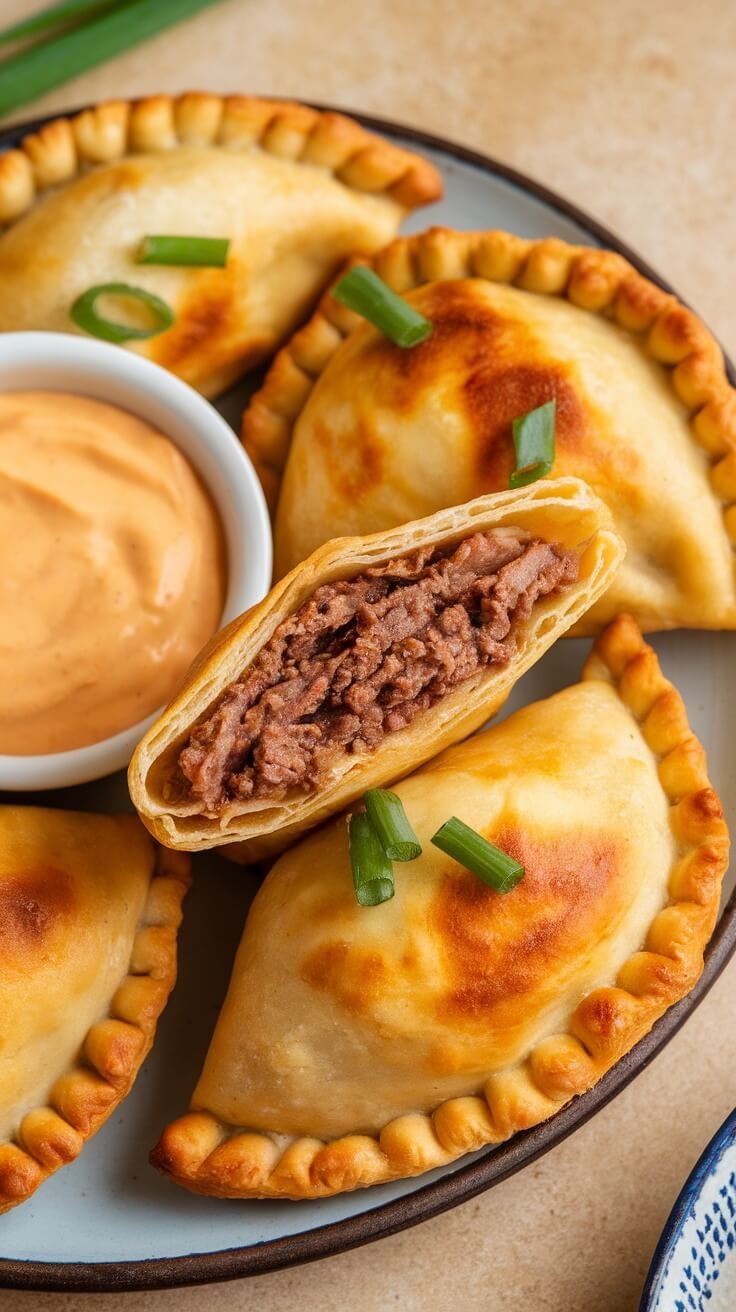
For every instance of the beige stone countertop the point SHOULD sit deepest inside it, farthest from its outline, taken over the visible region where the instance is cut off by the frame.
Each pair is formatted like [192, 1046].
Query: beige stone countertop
[627, 109]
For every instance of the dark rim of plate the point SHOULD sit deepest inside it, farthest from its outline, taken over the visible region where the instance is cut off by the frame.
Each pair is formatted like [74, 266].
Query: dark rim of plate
[495, 1164]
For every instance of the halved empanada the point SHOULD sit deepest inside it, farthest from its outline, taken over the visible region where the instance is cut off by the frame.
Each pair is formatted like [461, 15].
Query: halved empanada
[357, 1045]
[295, 190]
[89, 909]
[375, 434]
[365, 661]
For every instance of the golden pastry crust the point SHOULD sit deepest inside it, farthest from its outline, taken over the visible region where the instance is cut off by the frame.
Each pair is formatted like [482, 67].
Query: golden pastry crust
[600, 282]
[114, 1049]
[294, 190]
[65, 147]
[563, 511]
[596, 280]
[207, 1155]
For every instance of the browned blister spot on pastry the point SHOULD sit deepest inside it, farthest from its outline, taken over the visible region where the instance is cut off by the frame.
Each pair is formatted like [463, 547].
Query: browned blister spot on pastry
[497, 393]
[19, 1175]
[464, 332]
[207, 336]
[603, 1020]
[601, 1014]
[560, 1066]
[476, 350]
[499, 948]
[355, 977]
[677, 332]
[112, 1047]
[662, 974]
[32, 903]
[357, 467]
[348, 1163]
[204, 316]
[639, 301]
[706, 804]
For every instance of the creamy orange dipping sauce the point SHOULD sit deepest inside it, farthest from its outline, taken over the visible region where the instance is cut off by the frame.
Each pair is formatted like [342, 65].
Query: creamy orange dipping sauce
[113, 570]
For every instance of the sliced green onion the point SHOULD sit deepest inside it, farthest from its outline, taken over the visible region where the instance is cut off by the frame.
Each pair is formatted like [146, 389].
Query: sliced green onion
[35, 71]
[391, 826]
[56, 15]
[534, 443]
[208, 252]
[85, 316]
[363, 291]
[484, 859]
[373, 876]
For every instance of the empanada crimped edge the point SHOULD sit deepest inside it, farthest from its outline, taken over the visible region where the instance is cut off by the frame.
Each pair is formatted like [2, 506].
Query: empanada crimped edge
[63, 148]
[565, 511]
[599, 281]
[114, 1048]
[207, 1156]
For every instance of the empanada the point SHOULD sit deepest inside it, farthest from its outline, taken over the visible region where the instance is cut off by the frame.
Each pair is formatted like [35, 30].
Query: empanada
[295, 191]
[358, 1045]
[375, 434]
[370, 657]
[89, 909]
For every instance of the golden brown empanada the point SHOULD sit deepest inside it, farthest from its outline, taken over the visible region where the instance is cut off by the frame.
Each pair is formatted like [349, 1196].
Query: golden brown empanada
[353, 671]
[368, 435]
[89, 909]
[358, 1045]
[295, 190]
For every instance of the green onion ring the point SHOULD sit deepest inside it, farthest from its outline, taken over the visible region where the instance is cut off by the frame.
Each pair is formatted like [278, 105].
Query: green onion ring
[84, 313]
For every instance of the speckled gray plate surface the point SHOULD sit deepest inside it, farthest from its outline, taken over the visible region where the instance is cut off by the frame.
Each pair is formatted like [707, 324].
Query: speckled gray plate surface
[109, 1221]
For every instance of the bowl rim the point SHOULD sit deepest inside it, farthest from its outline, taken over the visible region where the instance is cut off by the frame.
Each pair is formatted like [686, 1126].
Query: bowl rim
[243, 518]
[495, 1164]
[690, 1192]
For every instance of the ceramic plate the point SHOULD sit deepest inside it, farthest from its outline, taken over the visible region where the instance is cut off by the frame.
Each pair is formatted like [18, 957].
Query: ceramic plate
[694, 1264]
[109, 1222]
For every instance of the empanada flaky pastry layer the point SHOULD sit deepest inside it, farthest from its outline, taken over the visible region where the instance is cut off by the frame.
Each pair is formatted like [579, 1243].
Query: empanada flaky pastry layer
[295, 191]
[89, 911]
[360, 434]
[359, 1045]
[272, 734]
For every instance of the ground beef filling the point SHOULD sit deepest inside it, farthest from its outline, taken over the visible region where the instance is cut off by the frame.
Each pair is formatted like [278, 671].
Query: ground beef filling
[363, 657]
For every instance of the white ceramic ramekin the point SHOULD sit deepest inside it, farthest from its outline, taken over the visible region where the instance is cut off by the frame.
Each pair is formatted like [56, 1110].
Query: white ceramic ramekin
[57, 362]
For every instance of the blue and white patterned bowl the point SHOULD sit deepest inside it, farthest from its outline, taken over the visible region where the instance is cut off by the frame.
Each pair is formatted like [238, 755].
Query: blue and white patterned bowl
[694, 1264]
